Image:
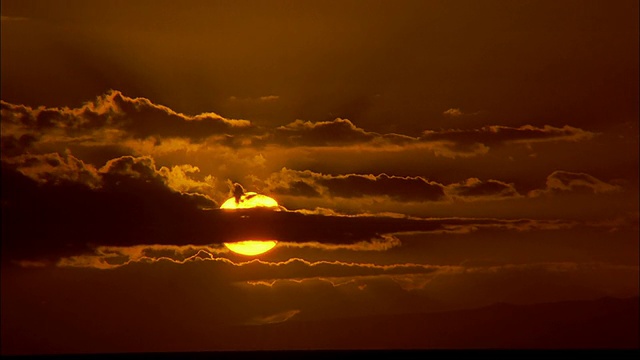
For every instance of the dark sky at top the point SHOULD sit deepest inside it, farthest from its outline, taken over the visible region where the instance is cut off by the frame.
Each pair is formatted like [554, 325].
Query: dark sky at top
[388, 66]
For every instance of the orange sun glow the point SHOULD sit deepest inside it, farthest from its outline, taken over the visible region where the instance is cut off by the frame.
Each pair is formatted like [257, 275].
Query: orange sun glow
[246, 201]
[249, 200]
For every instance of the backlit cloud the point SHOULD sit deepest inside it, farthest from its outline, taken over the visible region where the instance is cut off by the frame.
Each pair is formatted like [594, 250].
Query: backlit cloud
[140, 125]
[453, 112]
[112, 215]
[497, 135]
[474, 188]
[339, 132]
[397, 188]
[54, 168]
[565, 181]
[116, 115]
[76, 206]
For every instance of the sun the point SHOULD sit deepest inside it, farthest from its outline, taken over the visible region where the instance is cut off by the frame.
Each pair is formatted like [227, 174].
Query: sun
[251, 247]
[246, 201]
[249, 200]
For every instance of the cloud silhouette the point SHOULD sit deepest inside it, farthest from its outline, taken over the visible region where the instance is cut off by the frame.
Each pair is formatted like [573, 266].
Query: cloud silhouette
[325, 133]
[496, 134]
[126, 201]
[565, 181]
[397, 188]
[114, 119]
[474, 188]
[122, 115]
[134, 206]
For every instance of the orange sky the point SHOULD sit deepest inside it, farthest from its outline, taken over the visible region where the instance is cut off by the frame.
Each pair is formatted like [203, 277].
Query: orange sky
[427, 156]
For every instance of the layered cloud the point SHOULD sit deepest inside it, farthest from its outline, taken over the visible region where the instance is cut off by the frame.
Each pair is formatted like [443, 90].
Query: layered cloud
[129, 202]
[310, 184]
[407, 189]
[55, 169]
[74, 204]
[339, 132]
[138, 117]
[457, 284]
[495, 135]
[234, 304]
[474, 188]
[396, 188]
[114, 119]
[409, 276]
[565, 181]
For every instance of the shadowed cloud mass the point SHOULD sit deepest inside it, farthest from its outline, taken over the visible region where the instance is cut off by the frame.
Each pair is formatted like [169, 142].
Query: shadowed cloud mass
[134, 205]
[114, 118]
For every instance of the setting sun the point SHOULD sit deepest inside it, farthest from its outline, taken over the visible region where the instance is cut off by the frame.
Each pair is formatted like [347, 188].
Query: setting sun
[319, 177]
[251, 247]
[247, 201]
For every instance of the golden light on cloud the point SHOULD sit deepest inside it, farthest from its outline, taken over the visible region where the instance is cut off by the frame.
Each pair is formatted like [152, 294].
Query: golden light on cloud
[247, 201]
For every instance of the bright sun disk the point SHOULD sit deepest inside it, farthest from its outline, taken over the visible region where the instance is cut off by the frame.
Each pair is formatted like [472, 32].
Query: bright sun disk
[247, 201]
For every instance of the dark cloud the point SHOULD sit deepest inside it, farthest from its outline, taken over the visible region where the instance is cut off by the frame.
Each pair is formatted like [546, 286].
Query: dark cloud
[497, 135]
[339, 132]
[476, 188]
[397, 188]
[67, 208]
[408, 189]
[136, 117]
[296, 188]
[113, 118]
[12, 145]
[565, 181]
[144, 119]
[133, 206]
[142, 168]
[342, 132]
[56, 169]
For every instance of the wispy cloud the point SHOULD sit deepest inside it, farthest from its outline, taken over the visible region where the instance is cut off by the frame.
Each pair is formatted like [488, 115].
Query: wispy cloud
[566, 181]
[273, 319]
[453, 112]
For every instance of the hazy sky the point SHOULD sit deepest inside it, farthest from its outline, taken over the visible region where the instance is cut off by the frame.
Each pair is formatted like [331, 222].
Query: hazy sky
[426, 156]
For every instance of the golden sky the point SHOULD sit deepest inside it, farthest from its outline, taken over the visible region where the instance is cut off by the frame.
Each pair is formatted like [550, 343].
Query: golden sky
[428, 158]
